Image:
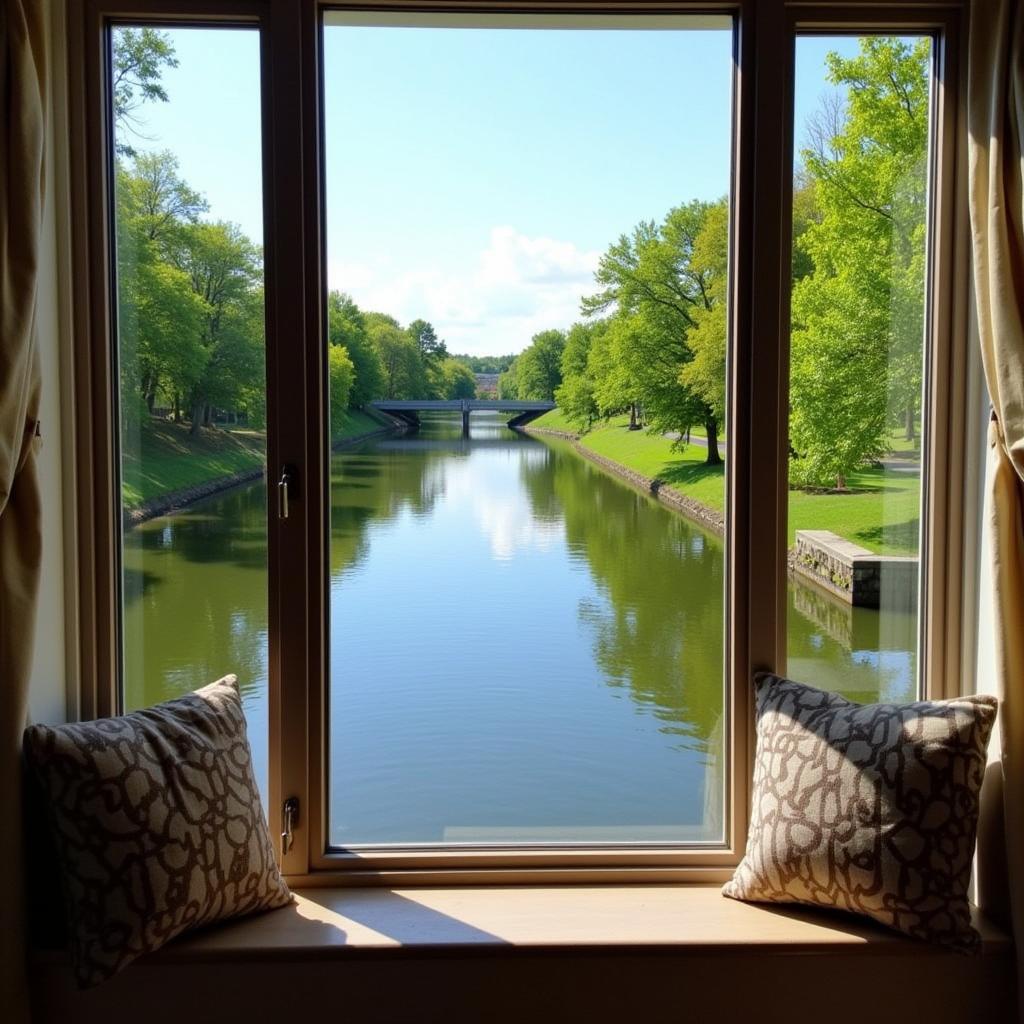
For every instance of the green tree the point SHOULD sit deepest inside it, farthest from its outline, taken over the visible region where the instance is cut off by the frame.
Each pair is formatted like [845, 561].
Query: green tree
[346, 325]
[858, 315]
[459, 380]
[539, 367]
[704, 375]
[225, 271]
[648, 279]
[139, 56]
[402, 365]
[340, 377]
[575, 395]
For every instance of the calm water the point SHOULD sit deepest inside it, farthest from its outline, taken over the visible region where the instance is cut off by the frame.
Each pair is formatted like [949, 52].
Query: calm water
[522, 647]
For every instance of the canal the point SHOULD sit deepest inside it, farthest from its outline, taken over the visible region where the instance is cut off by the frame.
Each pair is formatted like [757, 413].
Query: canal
[522, 647]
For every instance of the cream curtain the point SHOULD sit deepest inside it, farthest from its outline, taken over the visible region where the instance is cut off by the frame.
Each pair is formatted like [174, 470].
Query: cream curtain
[996, 127]
[22, 138]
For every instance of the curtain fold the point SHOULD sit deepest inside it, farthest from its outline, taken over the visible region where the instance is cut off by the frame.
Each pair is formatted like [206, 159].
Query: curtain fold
[996, 197]
[22, 142]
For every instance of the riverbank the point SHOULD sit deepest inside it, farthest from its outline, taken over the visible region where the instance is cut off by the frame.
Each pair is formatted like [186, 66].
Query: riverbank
[707, 517]
[166, 469]
[880, 512]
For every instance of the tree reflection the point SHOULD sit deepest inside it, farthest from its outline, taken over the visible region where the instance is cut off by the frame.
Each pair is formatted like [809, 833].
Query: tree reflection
[660, 631]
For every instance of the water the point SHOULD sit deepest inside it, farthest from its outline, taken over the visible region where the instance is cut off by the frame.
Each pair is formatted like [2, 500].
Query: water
[523, 649]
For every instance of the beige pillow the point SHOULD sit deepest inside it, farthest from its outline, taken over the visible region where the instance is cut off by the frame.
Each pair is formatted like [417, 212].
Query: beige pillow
[158, 825]
[871, 808]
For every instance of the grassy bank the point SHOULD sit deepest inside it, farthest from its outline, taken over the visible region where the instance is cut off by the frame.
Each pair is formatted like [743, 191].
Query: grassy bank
[163, 457]
[879, 512]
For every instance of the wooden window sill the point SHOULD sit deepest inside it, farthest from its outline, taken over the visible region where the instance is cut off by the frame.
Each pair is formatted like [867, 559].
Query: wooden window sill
[374, 947]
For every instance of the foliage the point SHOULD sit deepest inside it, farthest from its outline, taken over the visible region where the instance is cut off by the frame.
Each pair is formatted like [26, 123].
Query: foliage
[459, 380]
[653, 288]
[346, 325]
[575, 395]
[486, 364]
[537, 371]
[340, 377]
[858, 314]
[139, 56]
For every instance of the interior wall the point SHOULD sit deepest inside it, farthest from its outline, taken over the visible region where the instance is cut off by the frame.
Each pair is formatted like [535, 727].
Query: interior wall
[48, 686]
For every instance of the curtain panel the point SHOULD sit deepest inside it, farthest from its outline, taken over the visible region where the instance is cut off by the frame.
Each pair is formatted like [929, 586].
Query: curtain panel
[996, 199]
[22, 142]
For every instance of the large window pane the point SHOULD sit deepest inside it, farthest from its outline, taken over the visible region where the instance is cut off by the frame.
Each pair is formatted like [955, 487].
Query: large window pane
[860, 215]
[526, 648]
[188, 201]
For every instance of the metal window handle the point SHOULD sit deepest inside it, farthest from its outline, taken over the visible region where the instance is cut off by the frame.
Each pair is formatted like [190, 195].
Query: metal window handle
[283, 486]
[290, 811]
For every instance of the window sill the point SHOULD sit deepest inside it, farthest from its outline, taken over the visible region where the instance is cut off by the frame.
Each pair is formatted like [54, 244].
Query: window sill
[376, 947]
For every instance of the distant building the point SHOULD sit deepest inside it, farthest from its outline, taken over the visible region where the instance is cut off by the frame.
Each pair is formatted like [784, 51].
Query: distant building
[486, 385]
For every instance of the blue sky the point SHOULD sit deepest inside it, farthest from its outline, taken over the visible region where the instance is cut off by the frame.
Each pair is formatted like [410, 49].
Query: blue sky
[474, 176]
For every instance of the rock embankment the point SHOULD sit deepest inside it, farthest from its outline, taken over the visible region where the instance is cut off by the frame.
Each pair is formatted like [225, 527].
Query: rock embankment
[701, 514]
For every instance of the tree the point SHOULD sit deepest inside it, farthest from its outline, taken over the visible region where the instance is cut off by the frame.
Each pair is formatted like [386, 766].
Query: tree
[459, 380]
[346, 325]
[858, 315]
[159, 317]
[155, 197]
[539, 367]
[340, 377]
[139, 57]
[704, 375]
[224, 269]
[400, 359]
[575, 395]
[649, 280]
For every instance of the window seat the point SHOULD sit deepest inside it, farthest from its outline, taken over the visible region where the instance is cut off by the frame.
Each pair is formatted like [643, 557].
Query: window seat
[536, 954]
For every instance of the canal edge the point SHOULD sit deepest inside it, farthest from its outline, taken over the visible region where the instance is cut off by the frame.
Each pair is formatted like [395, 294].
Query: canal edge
[693, 510]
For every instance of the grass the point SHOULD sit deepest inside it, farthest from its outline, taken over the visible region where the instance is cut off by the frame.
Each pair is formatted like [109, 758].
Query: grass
[163, 457]
[880, 510]
[554, 420]
[352, 423]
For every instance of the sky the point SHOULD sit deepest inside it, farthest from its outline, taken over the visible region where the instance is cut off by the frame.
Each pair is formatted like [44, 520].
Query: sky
[474, 176]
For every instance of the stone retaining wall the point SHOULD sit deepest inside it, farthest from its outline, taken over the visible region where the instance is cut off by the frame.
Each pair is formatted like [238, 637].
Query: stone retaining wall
[859, 576]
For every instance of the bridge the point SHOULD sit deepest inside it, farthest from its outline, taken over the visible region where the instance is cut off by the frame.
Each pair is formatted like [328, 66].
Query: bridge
[407, 409]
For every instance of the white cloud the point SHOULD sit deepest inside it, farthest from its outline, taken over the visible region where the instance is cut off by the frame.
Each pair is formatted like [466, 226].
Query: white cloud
[516, 286]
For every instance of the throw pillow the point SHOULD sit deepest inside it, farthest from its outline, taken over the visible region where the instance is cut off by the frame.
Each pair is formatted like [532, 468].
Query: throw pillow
[871, 808]
[158, 825]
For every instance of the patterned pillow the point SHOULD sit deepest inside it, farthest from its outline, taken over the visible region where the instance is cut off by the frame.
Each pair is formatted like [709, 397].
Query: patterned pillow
[871, 808]
[158, 825]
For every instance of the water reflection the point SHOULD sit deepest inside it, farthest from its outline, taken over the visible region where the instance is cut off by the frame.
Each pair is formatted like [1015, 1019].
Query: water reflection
[522, 648]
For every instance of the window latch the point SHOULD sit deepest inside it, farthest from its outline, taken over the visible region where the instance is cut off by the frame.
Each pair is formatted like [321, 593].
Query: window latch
[288, 476]
[290, 811]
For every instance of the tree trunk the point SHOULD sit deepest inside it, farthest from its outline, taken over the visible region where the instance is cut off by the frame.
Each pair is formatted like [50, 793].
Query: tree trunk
[711, 426]
[177, 407]
[840, 482]
[207, 415]
[910, 434]
[197, 419]
[633, 425]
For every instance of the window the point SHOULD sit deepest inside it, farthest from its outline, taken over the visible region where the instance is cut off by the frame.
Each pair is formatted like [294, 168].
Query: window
[339, 584]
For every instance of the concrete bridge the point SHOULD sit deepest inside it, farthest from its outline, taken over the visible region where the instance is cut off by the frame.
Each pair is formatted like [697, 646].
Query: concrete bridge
[407, 409]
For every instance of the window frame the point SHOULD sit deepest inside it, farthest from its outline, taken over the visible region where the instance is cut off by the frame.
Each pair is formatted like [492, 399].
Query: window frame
[295, 289]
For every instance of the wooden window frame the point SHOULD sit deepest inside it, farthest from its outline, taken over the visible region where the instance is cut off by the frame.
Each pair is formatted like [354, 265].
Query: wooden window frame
[295, 288]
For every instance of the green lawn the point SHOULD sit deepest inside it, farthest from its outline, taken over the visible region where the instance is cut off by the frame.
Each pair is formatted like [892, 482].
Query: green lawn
[163, 457]
[880, 511]
[554, 420]
[352, 423]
